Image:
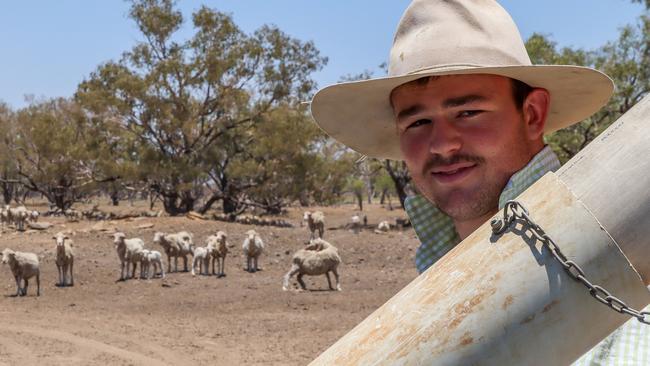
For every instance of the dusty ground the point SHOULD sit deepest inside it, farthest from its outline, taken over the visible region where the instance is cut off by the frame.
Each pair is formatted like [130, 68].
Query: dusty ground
[242, 318]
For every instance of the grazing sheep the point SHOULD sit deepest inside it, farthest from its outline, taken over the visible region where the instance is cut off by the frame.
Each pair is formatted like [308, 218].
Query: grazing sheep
[315, 222]
[33, 216]
[382, 227]
[129, 251]
[253, 246]
[355, 223]
[318, 258]
[175, 245]
[150, 258]
[200, 257]
[23, 266]
[64, 258]
[218, 248]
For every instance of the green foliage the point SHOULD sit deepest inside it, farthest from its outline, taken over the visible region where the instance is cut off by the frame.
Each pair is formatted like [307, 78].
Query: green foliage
[626, 61]
[193, 108]
[51, 151]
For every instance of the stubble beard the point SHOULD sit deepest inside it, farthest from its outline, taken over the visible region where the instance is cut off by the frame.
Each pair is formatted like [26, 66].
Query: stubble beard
[461, 203]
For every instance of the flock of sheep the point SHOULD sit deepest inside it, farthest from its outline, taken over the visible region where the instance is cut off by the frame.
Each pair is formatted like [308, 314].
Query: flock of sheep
[318, 257]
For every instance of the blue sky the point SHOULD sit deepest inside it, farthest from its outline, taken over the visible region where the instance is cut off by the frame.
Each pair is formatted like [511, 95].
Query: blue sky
[48, 47]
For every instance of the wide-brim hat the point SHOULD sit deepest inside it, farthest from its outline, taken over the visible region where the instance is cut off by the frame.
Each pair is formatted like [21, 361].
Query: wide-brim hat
[452, 37]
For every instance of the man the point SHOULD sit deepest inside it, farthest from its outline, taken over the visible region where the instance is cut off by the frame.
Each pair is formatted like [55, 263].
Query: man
[466, 110]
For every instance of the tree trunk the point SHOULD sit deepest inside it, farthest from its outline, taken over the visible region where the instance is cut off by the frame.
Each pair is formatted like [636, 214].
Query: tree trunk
[115, 197]
[360, 201]
[400, 176]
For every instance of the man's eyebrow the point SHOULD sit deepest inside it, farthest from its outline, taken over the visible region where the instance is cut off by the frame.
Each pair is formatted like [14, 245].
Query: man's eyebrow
[408, 112]
[465, 99]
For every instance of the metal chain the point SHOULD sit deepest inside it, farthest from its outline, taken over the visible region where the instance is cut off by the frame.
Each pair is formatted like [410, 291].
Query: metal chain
[514, 210]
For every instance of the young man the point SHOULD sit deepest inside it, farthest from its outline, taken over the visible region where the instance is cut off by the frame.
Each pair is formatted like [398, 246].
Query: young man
[466, 110]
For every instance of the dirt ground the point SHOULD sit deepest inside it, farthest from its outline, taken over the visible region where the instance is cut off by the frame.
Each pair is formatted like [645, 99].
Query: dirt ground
[243, 318]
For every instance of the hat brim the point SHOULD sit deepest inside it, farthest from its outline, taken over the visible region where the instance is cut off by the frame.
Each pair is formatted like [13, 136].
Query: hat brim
[359, 113]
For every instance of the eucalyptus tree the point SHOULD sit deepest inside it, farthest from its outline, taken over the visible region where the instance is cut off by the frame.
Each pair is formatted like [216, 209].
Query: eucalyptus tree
[185, 100]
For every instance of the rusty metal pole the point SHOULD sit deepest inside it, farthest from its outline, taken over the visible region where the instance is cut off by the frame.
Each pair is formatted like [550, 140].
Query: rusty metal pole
[501, 300]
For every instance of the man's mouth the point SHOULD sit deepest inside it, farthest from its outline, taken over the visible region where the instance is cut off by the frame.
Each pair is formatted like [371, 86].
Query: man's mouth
[452, 173]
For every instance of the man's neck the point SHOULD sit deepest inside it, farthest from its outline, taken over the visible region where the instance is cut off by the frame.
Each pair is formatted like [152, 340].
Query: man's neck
[464, 228]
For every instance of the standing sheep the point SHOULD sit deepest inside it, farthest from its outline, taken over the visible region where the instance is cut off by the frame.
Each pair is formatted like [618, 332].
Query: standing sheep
[175, 245]
[64, 258]
[148, 259]
[218, 248]
[318, 258]
[200, 257]
[253, 246]
[315, 222]
[355, 223]
[129, 251]
[23, 266]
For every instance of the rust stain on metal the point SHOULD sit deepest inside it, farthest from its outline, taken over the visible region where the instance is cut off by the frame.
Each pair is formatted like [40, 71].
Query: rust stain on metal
[462, 310]
[528, 319]
[550, 305]
[507, 302]
[466, 339]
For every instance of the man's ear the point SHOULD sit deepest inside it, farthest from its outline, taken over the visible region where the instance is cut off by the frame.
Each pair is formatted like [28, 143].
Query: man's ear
[535, 110]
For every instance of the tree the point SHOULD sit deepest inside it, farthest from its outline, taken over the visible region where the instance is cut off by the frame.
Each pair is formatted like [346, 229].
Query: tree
[183, 101]
[627, 61]
[8, 174]
[53, 151]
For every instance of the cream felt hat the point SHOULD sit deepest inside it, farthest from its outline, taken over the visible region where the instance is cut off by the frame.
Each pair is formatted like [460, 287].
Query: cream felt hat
[449, 37]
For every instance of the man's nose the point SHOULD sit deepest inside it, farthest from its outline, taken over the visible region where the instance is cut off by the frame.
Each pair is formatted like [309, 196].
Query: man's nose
[445, 138]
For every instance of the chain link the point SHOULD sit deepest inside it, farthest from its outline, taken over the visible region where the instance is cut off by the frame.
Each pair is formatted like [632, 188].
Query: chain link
[514, 210]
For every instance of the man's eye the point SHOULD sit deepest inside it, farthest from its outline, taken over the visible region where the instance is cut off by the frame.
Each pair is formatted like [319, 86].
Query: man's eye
[418, 123]
[471, 113]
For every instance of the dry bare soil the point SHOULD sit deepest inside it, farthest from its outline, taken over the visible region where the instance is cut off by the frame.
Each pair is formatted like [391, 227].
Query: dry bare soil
[243, 318]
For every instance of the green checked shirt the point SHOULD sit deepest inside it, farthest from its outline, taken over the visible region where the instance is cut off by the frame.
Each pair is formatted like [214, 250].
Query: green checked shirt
[628, 345]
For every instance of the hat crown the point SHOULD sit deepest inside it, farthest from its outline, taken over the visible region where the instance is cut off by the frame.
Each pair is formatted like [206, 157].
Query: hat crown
[438, 34]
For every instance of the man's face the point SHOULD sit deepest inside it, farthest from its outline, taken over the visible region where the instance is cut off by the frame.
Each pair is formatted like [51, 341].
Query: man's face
[462, 137]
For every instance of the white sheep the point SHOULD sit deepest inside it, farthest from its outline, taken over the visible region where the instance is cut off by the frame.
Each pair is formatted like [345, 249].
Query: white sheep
[18, 216]
[315, 222]
[23, 266]
[317, 258]
[5, 217]
[253, 246]
[129, 251]
[218, 249]
[64, 258]
[355, 222]
[150, 258]
[33, 216]
[175, 245]
[200, 257]
[382, 227]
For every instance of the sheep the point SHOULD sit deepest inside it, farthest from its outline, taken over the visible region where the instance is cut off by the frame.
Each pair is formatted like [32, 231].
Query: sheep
[5, 217]
[33, 216]
[23, 266]
[175, 245]
[355, 222]
[64, 258]
[315, 221]
[200, 257]
[253, 246]
[319, 257]
[382, 227]
[218, 248]
[129, 251]
[17, 215]
[149, 258]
